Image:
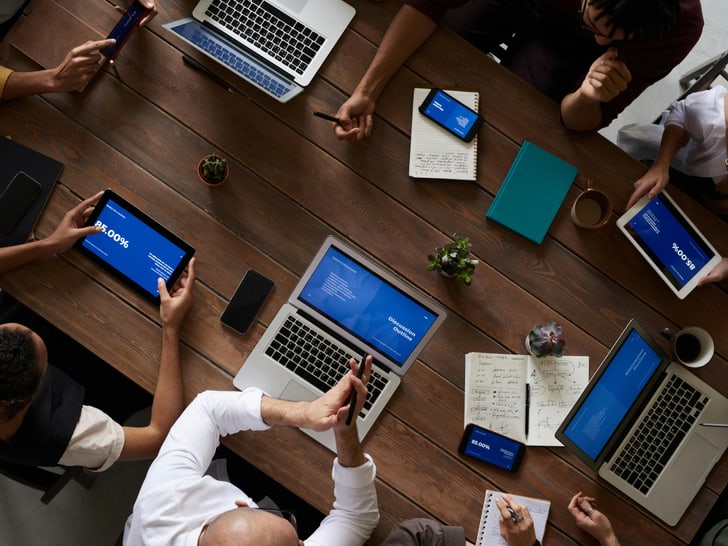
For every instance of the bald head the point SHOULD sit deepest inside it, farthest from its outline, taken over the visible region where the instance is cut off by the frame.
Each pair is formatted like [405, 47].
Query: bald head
[248, 526]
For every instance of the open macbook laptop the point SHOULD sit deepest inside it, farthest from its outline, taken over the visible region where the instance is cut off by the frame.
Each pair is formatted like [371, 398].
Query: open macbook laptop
[277, 45]
[639, 423]
[346, 305]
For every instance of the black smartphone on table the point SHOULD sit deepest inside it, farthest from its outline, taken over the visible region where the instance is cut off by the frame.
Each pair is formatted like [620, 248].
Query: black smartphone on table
[492, 447]
[128, 23]
[16, 200]
[247, 300]
[450, 113]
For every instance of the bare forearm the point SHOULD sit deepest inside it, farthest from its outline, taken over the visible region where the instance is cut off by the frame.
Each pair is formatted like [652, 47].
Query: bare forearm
[580, 113]
[407, 32]
[673, 138]
[348, 447]
[24, 84]
[15, 256]
[282, 412]
[169, 394]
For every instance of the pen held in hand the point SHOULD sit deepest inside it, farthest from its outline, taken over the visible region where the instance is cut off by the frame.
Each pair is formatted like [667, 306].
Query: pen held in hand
[352, 399]
[327, 117]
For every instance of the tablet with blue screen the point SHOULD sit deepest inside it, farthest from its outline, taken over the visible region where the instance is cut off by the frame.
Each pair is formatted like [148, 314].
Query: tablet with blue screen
[670, 242]
[134, 247]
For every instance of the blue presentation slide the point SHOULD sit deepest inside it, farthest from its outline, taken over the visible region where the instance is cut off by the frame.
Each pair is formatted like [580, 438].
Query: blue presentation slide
[132, 247]
[631, 367]
[491, 448]
[367, 306]
[451, 114]
[663, 236]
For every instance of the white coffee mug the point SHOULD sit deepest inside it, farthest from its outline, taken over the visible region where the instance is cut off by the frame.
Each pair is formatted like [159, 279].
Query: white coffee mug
[692, 346]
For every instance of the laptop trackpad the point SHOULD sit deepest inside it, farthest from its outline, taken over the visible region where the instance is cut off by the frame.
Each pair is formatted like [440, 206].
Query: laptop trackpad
[695, 460]
[294, 5]
[297, 392]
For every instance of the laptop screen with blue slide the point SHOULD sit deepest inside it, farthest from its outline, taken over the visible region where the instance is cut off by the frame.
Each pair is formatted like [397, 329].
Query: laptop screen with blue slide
[613, 396]
[367, 306]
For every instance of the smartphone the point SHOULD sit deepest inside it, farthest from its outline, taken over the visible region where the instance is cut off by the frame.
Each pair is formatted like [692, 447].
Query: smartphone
[128, 23]
[492, 447]
[16, 200]
[451, 114]
[246, 301]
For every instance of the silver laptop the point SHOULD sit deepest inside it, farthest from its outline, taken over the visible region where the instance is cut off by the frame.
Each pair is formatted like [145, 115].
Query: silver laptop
[639, 422]
[346, 305]
[277, 45]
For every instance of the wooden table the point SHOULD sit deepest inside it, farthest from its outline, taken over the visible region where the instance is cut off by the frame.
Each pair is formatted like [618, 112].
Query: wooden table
[142, 131]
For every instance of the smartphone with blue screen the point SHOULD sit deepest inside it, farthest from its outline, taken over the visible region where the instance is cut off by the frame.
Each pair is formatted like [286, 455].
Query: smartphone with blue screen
[450, 113]
[128, 23]
[492, 447]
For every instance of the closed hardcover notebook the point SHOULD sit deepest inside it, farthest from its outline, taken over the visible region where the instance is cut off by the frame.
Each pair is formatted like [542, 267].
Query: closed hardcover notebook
[532, 192]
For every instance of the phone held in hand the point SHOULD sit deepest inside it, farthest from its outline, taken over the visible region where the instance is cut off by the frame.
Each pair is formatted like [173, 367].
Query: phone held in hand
[16, 200]
[492, 447]
[128, 23]
[450, 113]
[246, 301]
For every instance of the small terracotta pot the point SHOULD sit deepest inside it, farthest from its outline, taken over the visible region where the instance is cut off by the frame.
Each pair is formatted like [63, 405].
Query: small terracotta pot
[207, 182]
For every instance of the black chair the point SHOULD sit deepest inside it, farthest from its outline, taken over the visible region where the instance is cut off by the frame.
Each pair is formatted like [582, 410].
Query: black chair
[704, 75]
[45, 480]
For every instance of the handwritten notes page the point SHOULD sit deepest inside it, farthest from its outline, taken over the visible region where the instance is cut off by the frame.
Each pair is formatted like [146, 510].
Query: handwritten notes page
[434, 152]
[495, 393]
[489, 530]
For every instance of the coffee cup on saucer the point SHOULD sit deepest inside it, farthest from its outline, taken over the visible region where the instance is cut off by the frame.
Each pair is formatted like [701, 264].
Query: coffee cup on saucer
[591, 208]
[692, 346]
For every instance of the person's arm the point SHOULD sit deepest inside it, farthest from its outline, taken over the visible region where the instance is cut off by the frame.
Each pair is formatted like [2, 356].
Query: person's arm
[718, 273]
[144, 442]
[591, 520]
[153, 11]
[408, 30]
[74, 72]
[70, 229]
[607, 77]
[657, 176]
[516, 533]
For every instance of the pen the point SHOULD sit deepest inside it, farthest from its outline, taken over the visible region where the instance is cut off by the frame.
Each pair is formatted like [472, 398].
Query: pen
[514, 517]
[327, 117]
[352, 400]
[714, 425]
[528, 404]
[193, 64]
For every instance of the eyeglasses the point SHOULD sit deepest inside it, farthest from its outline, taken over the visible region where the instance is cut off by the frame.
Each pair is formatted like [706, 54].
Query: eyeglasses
[287, 515]
[586, 22]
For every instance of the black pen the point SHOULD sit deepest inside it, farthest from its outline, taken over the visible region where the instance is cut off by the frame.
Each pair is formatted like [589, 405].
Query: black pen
[528, 404]
[514, 517]
[327, 117]
[714, 425]
[189, 61]
[352, 399]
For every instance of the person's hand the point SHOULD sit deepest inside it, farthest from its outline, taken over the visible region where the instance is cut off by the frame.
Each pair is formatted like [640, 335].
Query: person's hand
[356, 119]
[331, 409]
[79, 66]
[150, 5]
[591, 520]
[650, 183]
[515, 533]
[71, 228]
[718, 273]
[607, 77]
[174, 305]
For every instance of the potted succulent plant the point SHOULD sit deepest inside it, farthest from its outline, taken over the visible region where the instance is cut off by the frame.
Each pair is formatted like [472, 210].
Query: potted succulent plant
[453, 259]
[213, 170]
[546, 340]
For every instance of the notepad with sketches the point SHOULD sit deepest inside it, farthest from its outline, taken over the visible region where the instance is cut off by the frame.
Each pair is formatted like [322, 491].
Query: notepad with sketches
[532, 192]
[495, 393]
[489, 528]
[435, 152]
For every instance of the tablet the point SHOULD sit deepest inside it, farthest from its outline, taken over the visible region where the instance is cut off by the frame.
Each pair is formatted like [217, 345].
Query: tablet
[133, 247]
[670, 242]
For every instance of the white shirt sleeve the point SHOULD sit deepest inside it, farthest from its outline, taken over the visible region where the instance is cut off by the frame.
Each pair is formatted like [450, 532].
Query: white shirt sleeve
[96, 442]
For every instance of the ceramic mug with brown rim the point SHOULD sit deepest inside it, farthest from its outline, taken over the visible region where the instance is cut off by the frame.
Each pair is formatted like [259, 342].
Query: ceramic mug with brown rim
[591, 208]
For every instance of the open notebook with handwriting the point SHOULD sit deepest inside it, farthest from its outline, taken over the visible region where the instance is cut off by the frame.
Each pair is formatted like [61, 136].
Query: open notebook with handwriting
[489, 528]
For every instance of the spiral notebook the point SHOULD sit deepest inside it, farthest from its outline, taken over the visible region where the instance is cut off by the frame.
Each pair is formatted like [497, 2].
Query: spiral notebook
[434, 152]
[489, 529]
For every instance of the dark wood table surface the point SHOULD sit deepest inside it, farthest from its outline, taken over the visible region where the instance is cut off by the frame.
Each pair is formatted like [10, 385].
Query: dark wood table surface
[141, 131]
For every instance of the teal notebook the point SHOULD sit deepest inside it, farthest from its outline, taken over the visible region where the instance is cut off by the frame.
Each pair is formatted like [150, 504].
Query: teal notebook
[532, 192]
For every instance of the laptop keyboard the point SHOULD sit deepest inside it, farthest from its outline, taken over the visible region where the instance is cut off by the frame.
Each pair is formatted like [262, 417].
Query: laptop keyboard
[239, 63]
[661, 431]
[269, 29]
[318, 360]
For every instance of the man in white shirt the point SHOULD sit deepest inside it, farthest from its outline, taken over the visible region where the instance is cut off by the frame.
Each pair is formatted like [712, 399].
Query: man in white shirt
[179, 505]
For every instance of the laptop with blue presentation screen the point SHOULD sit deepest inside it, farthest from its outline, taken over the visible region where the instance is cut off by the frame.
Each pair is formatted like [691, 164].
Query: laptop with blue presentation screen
[276, 45]
[346, 305]
[638, 423]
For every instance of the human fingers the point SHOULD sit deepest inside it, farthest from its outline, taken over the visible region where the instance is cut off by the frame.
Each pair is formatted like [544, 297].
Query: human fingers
[91, 46]
[151, 14]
